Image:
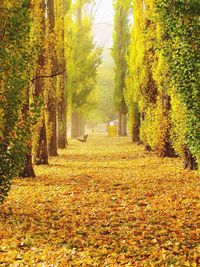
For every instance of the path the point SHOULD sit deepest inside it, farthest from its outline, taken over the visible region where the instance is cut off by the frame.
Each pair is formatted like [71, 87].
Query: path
[103, 203]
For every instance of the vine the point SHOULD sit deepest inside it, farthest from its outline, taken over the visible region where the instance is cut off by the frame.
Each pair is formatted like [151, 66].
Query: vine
[180, 34]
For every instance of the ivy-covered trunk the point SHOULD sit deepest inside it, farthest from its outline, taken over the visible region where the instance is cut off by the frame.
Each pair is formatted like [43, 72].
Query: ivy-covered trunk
[62, 115]
[28, 166]
[52, 98]
[167, 149]
[121, 38]
[180, 36]
[135, 123]
[62, 105]
[52, 123]
[41, 151]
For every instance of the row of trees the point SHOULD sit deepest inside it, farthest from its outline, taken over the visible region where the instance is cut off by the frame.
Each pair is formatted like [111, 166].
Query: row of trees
[49, 66]
[83, 59]
[157, 75]
[37, 85]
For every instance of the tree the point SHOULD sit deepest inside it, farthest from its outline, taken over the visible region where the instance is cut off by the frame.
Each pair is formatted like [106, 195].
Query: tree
[148, 82]
[83, 60]
[52, 99]
[167, 99]
[104, 93]
[121, 39]
[41, 150]
[62, 9]
[179, 22]
[16, 62]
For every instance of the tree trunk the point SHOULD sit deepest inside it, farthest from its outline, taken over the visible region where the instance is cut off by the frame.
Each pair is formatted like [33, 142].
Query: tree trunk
[168, 150]
[28, 166]
[52, 124]
[62, 115]
[190, 162]
[41, 153]
[81, 125]
[41, 156]
[74, 125]
[62, 107]
[28, 169]
[122, 124]
[51, 102]
[77, 125]
[136, 124]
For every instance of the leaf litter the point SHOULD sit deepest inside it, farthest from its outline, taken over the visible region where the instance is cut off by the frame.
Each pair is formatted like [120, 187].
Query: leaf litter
[104, 203]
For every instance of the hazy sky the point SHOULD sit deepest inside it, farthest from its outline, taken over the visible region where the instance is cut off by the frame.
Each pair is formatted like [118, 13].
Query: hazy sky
[104, 11]
[103, 27]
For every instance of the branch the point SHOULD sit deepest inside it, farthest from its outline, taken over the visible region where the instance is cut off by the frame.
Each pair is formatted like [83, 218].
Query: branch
[48, 76]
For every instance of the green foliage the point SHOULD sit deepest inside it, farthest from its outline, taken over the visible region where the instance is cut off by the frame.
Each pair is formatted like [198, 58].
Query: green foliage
[104, 93]
[147, 82]
[164, 74]
[83, 59]
[15, 57]
[121, 38]
[181, 39]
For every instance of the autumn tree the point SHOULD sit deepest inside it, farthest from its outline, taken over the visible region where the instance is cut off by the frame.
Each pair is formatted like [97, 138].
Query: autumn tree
[147, 83]
[179, 23]
[16, 62]
[121, 38]
[51, 95]
[105, 89]
[156, 84]
[62, 8]
[83, 59]
[41, 149]
[26, 73]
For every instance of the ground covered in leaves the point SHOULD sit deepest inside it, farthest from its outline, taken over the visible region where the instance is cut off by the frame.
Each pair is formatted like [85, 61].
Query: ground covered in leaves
[103, 203]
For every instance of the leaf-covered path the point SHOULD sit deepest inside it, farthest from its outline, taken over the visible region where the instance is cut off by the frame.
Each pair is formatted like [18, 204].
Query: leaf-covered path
[103, 203]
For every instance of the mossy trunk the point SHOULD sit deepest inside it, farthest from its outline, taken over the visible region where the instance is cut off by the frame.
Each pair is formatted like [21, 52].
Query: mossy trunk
[52, 98]
[41, 154]
[62, 105]
[135, 124]
[28, 165]
[41, 150]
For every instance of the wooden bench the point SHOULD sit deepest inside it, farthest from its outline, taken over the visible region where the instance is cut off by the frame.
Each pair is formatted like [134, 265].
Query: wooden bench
[84, 139]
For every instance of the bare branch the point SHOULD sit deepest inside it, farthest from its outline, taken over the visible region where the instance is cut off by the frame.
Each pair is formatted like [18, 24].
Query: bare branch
[48, 76]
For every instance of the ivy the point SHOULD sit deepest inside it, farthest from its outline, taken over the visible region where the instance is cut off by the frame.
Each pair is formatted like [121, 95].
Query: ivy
[180, 20]
[15, 55]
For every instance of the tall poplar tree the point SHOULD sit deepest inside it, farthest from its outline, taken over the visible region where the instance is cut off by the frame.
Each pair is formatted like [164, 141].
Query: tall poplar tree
[41, 150]
[121, 38]
[83, 59]
[51, 95]
[62, 8]
[16, 63]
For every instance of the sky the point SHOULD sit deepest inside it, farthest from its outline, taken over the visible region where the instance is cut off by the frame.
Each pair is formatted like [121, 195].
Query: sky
[103, 24]
[105, 11]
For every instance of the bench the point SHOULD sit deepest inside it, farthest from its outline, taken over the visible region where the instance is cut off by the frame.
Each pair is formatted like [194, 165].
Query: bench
[84, 139]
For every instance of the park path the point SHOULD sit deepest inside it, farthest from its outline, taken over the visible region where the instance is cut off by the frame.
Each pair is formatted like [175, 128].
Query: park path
[106, 202]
